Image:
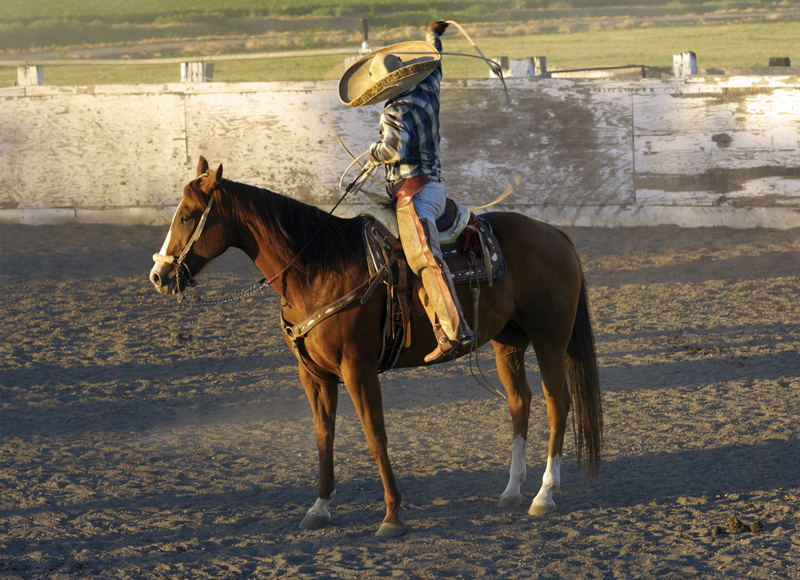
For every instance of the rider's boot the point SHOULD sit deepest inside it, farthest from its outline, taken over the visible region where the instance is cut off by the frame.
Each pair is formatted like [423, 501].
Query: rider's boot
[421, 246]
[451, 330]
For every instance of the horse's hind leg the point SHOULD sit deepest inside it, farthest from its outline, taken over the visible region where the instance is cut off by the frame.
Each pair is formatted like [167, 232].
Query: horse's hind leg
[324, 398]
[509, 349]
[553, 369]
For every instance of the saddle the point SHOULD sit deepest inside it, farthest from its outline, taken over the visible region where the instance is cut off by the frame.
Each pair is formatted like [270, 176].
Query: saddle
[469, 248]
[450, 225]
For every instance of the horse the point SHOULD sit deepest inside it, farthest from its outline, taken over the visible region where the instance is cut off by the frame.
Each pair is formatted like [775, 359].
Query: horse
[313, 259]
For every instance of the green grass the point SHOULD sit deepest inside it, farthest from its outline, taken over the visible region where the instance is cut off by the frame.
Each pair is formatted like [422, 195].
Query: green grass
[152, 10]
[36, 24]
[736, 45]
[275, 69]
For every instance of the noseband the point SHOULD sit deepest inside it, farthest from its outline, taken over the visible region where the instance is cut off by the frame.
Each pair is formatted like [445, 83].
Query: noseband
[179, 262]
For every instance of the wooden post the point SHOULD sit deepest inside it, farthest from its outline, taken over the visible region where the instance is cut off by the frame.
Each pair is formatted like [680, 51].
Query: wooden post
[365, 34]
[365, 47]
[520, 68]
[779, 61]
[684, 64]
[196, 72]
[503, 62]
[28, 75]
[539, 65]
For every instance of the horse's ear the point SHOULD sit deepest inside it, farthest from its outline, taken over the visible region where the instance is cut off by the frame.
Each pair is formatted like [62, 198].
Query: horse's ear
[210, 181]
[202, 166]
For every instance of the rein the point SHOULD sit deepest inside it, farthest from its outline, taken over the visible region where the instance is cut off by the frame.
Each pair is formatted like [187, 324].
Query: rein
[355, 185]
[179, 262]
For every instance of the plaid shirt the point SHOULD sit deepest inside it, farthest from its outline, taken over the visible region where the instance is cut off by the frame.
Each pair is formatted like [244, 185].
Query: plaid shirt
[409, 129]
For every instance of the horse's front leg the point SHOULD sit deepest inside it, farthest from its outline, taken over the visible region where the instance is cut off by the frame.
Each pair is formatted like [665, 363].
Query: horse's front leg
[324, 397]
[365, 390]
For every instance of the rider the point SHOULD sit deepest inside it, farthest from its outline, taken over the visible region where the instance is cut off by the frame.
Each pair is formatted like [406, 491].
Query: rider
[408, 76]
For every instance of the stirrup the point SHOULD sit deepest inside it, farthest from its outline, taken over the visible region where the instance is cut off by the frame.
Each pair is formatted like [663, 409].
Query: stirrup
[447, 349]
[467, 341]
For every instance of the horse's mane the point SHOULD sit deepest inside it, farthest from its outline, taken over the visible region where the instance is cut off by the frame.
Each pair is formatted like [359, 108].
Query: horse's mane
[288, 225]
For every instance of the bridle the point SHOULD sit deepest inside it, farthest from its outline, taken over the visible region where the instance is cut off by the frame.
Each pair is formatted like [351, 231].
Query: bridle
[179, 263]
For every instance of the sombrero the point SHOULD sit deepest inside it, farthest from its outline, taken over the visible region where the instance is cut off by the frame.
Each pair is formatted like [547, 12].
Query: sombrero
[387, 72]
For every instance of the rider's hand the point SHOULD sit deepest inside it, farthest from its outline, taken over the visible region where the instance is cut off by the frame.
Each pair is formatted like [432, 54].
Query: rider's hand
[438, 27]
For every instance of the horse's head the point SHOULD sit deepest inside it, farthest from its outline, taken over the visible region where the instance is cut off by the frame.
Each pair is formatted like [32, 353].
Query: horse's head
[195, 236]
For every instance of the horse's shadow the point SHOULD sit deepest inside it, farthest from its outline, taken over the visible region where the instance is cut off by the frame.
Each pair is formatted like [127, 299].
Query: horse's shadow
[682, 374]
[435, 505]
[704, 475]
[700, 473]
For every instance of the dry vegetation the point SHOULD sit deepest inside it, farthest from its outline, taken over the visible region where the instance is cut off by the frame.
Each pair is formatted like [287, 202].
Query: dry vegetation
[577, 34]
[58, 24]
[731, 45]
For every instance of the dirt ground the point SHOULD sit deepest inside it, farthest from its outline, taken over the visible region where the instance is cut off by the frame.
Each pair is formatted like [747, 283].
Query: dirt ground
[145, 439]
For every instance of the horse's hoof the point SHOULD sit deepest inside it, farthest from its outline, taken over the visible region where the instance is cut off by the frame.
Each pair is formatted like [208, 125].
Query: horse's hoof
[542, 508]
[314, 522]
[391, 530]
[509, 501]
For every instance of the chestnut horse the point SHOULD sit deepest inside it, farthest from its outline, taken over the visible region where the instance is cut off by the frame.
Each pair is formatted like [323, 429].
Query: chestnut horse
[541, 301]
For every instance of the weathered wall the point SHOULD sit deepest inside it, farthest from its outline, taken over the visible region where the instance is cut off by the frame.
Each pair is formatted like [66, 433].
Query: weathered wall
[694, 152]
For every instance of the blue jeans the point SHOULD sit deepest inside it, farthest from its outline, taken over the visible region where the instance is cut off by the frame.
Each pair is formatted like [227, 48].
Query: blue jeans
[430, 201]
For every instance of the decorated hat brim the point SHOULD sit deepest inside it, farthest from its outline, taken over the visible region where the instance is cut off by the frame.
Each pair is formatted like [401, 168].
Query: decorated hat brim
[357, 89]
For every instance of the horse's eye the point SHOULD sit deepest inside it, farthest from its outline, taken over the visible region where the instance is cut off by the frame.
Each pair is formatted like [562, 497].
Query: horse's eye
[184, 219]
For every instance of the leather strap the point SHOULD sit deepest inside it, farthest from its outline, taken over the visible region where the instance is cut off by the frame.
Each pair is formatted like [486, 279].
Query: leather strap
[367, 287]
[399, 290]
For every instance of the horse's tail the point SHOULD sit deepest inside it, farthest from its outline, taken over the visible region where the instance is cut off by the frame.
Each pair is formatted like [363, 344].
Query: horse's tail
[587, 408]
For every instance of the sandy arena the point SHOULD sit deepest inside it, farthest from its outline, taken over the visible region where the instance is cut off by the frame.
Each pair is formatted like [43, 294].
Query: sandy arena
[146, 439]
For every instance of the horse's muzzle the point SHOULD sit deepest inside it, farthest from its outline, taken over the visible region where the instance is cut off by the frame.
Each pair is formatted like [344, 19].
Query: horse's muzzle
[163, 278]
[171, 280]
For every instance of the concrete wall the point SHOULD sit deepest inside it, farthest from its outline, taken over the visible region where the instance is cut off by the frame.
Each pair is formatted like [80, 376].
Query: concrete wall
[699, 151]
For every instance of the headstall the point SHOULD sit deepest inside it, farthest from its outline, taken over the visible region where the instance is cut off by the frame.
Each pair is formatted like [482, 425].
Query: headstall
[179, 261]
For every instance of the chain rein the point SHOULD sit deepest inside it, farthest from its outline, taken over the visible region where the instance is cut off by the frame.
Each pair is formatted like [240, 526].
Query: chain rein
[178, 263]
[263, 283]
[256, 287]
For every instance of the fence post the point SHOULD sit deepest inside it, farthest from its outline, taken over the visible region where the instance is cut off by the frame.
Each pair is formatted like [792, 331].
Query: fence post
[504, 66]
[684, 64]
[28, 75]
[539, 65]
[520, 68]
[779, 61]
[365, 48]
[197, 72]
